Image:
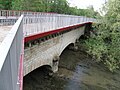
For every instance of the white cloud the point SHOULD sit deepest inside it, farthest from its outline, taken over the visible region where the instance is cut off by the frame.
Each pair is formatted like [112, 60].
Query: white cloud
[97, 4]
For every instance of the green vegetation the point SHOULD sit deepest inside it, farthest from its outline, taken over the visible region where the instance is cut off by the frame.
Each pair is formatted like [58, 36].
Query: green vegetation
[5, 4]
[56, 6]
[105, 46]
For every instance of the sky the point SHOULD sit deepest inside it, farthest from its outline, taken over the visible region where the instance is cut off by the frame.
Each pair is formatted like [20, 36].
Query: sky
[83, 4]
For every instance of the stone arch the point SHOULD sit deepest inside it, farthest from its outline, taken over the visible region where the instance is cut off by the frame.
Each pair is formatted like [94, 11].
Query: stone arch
[69, 44]
[81, 37]
[55, 62]
[46, 68]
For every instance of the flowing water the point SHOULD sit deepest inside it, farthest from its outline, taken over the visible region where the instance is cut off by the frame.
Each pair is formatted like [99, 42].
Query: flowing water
[77, 71]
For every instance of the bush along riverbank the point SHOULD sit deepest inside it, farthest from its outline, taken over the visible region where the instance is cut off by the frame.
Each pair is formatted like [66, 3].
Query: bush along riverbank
[104, 45]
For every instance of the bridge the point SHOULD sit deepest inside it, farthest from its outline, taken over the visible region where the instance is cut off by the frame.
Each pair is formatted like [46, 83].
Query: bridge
[29, 40]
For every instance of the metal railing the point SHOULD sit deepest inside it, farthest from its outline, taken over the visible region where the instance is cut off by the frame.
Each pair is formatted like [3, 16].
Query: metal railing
[10, 56]
[44, 22]
[9, 17]
[38, 22]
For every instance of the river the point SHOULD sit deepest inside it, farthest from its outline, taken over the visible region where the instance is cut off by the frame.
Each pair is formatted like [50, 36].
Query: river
[77, 71]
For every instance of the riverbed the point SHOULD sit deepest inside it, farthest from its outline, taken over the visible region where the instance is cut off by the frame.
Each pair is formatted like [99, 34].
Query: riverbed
[77, 71]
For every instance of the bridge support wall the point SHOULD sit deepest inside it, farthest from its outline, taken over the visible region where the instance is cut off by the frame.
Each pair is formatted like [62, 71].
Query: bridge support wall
[48, 52]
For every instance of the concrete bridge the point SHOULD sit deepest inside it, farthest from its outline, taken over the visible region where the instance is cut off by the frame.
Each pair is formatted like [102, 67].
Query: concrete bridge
[34, 40]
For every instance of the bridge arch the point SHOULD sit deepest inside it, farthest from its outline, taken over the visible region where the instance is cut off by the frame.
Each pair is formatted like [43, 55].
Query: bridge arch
[45, 70]
[56, 59]
[46, 67]
[69, 45]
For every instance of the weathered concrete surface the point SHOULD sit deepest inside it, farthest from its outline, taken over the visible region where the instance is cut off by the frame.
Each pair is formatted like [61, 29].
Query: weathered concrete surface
[45, 52]
[3, 32]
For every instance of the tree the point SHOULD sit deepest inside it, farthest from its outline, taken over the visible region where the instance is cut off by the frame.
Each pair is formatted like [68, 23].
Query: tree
[5, 4]
[59, 6]
[105, 46]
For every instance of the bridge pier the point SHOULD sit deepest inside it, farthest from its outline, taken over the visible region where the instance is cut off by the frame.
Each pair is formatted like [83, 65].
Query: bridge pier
[55, 63]
[77, 40]
[73, 47]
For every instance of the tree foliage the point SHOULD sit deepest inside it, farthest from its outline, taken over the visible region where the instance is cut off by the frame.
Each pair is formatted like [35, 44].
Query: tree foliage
[105, 46]
[5, 4]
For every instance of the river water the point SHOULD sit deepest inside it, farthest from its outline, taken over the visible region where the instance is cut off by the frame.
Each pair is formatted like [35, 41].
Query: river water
[77, 71]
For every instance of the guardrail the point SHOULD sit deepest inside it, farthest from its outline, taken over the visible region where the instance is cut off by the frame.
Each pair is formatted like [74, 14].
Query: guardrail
[44, 22]
[11, 56]
[39, 22]
[16, 13]
[9, 17]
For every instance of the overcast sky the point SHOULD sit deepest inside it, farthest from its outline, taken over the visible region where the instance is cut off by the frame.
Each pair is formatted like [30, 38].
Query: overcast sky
[85, 3]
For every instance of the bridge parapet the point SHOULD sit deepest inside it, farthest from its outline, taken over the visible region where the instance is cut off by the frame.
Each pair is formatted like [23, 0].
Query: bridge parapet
[11, 56]
[39, 22]
[47, 22]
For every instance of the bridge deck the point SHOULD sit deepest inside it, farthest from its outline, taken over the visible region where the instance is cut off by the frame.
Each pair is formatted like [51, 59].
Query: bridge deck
[3, 32]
